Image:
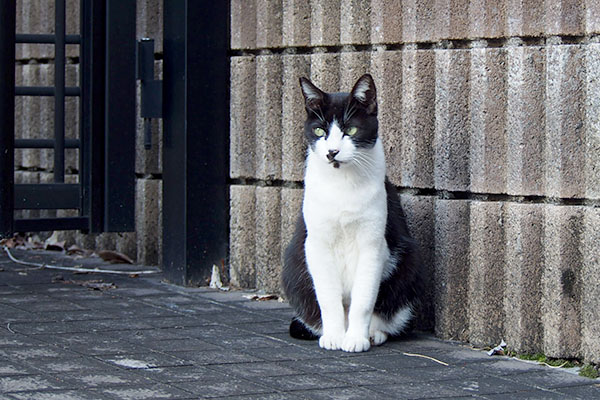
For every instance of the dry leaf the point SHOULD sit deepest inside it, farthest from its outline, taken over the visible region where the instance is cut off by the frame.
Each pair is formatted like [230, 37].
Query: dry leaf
[114, 257]
[58, 246]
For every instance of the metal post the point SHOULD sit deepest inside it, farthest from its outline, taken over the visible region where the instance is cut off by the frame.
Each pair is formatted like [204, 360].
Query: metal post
[119, 190]
[92, 74]
[195, 149]
[59, 91]
[7, 114]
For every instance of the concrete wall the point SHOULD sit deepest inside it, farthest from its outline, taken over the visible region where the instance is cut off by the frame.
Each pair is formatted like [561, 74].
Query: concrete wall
[489, 113]
[34, 119]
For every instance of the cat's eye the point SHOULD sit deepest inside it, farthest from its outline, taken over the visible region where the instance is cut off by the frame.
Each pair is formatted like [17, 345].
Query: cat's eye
[351, 131]
[319, 132]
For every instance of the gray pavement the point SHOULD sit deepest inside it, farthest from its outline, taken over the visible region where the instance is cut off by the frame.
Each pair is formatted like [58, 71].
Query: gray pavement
[99, 336]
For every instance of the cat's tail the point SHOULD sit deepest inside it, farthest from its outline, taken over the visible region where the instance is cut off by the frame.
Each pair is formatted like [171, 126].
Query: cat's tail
[299, 331]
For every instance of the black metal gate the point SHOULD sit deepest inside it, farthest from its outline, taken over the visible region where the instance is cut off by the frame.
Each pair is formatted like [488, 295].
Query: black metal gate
[104, 192]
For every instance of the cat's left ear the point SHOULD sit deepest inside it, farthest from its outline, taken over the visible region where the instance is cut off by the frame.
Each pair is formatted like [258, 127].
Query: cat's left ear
[365, 93]
[313, 96]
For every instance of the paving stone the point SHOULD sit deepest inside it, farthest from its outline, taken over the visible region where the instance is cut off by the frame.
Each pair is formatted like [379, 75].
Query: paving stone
[212, 357]
[283, 353]
[344, 393]
[22, 383]
[582, 392]
[183, 373]
[58, 395]
[298, 382]
[420, 390]
[144, 361]
[254, 359]
[549, 378]
[155, 391]
[259, 369]
[224, 387]
[62, 365]
[533, 394]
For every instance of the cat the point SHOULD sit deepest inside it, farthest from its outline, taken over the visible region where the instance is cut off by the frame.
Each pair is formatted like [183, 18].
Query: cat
[351, 269]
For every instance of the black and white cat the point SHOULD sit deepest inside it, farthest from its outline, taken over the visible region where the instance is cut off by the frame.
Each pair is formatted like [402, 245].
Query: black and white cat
[350, 271]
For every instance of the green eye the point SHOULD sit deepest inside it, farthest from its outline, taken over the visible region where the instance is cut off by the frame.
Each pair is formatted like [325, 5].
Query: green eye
[319, 132]
[351, 131]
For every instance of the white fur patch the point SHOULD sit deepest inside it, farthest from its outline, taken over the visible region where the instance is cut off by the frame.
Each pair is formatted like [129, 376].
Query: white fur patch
[360, 92]
[345, 211]
[310, 92]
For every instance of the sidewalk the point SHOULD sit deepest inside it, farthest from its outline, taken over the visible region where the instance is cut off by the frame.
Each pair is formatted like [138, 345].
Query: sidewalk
[69, 336]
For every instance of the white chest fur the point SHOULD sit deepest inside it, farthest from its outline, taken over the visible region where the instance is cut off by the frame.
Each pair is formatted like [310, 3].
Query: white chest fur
[345, 214]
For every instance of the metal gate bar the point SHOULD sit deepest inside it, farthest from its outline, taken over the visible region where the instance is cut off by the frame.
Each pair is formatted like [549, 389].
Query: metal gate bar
[7, 114]
[105, 194]
[59, 94]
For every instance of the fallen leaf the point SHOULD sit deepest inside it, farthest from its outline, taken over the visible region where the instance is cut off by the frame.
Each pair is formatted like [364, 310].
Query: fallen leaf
[75, 250]
[114, 257]
[58, 246]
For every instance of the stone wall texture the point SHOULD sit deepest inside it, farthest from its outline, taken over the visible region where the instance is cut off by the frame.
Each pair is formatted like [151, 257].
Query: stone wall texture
[490, 116]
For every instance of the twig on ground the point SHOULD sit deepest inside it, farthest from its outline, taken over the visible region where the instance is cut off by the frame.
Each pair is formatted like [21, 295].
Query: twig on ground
[427, 357]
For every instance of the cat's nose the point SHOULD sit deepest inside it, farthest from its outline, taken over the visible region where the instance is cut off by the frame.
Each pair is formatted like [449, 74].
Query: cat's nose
[332, 153]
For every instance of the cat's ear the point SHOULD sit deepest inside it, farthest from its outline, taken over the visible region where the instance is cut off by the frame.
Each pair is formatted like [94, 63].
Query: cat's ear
[313, 96]
[365, 93]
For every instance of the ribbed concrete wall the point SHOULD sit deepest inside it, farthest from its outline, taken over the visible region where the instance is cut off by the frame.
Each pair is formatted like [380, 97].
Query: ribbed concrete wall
[34, 118]
[490, 116]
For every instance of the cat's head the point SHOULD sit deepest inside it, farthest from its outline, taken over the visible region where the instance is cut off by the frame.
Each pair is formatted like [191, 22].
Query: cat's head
[340, 126]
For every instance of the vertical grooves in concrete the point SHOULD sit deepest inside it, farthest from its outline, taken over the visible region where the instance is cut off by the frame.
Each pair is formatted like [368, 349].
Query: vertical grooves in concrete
[293, 148]
[452, 232]
[418, 116]
[242, 134]
[523, 274]
[525, 120]
[268, 116]
[452, 120]
[561, 281]
[486, 275]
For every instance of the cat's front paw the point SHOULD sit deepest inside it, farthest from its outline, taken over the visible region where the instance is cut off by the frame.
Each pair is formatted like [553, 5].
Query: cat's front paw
[356, 343]
[331, 341]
